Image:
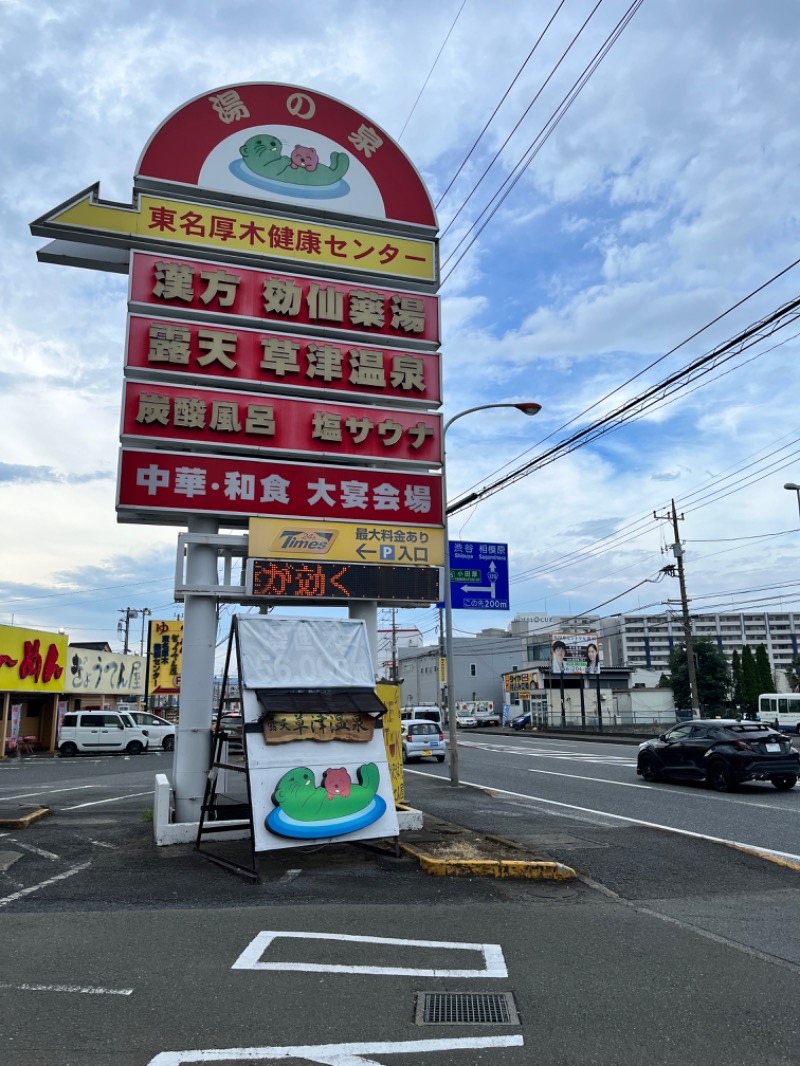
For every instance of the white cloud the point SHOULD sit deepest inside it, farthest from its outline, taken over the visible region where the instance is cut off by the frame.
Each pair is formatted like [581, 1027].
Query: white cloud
[666, 194]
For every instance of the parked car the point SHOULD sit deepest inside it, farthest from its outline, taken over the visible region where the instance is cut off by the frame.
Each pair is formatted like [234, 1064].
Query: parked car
[100, 731]
[522, 721]
[421, 740]
[160, 732]
[722, 752]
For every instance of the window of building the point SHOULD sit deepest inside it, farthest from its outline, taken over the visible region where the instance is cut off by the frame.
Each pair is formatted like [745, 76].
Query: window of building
[473, 670]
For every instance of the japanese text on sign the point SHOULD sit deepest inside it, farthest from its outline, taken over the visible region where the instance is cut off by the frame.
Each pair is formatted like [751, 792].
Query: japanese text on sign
[167, 481]
[245, 356]
[240, 231]
[192, 284]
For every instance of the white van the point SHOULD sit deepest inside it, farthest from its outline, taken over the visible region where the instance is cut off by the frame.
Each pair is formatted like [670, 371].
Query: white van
[100, 731]
[421, 714]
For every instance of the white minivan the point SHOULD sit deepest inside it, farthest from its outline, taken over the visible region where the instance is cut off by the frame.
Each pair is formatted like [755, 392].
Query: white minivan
[100, 731]
[160, 732]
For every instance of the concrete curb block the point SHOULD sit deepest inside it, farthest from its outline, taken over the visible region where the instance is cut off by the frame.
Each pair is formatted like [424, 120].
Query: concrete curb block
[23, 821]
[535, 870]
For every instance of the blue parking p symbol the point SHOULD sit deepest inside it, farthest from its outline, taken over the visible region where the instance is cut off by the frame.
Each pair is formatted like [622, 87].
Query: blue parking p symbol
[387, 552]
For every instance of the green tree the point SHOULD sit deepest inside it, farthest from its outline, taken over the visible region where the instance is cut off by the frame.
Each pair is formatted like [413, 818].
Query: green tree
[793, 674]
[737, 681]
[766, 682]
[711, 670]
[749, 682]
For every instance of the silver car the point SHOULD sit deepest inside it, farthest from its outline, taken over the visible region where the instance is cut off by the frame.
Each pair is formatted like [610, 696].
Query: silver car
[422, 740]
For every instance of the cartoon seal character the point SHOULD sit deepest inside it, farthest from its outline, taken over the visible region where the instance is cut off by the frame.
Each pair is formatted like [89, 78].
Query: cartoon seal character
[262, 154]
[299, 798]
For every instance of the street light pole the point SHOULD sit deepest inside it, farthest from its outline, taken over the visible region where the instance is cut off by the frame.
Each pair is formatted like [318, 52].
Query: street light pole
[529, 409]
[794, 488]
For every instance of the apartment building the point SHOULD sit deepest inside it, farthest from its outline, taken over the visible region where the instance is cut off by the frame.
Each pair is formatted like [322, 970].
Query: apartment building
[645, 641]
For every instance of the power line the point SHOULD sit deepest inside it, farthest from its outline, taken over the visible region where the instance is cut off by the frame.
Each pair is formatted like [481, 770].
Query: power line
[636, 407]
[430, 72]
[502, 101]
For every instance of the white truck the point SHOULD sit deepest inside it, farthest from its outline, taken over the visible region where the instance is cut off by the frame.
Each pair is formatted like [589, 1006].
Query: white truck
[472, 713]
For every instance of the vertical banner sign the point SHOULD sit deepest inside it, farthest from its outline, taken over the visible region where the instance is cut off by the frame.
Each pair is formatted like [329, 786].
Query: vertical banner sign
[16, 716]
[164, 658]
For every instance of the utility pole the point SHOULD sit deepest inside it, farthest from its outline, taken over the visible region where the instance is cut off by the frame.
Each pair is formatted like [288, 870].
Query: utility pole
[677, 551]
[395, 670]
[124, 628]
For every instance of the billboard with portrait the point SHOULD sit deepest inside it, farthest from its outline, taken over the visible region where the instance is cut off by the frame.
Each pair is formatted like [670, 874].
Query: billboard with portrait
[575, 653]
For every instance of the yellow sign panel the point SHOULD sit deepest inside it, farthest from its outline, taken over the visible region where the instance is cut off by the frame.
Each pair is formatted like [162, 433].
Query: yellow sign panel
[164, 658]
[161, 219]
[389, 695]
[346, 542]
[32, 661]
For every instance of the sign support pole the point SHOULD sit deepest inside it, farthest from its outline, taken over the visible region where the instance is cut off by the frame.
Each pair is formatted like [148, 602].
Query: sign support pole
[193, 734]
[368, 613]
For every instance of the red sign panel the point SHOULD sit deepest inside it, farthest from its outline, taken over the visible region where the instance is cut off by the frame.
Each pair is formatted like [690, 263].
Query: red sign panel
[245, 357]
[166, 485]
[179, 285]
[241, 421]
[255, 119]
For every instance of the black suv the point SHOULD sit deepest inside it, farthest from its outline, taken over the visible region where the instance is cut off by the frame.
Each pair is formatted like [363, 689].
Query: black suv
[723, 752]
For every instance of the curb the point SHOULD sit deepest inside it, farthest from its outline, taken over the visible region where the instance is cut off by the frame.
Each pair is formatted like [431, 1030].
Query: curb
[535, 870]
[23, 821]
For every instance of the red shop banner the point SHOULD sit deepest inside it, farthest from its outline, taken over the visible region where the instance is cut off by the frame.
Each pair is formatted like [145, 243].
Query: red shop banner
[245, 357]
[221, 420]
[168, 486]
[177, 285]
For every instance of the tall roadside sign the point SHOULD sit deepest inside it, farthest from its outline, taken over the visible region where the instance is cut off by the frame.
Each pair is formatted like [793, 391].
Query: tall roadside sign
[281, 357]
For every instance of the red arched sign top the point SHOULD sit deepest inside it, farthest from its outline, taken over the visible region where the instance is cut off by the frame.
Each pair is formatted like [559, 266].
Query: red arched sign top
[286, 144]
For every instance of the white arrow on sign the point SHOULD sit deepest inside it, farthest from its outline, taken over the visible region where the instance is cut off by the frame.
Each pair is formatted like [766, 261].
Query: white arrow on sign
[484, 588]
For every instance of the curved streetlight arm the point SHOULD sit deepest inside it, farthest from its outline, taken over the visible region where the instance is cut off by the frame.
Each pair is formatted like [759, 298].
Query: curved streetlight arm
[526, 409]
[794, 488]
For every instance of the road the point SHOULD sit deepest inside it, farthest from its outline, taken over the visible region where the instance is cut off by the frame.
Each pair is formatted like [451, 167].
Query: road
[115, 951]
[598, 780]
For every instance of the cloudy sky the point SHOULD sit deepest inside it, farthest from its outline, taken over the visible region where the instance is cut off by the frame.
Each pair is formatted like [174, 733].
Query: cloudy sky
[614, 202]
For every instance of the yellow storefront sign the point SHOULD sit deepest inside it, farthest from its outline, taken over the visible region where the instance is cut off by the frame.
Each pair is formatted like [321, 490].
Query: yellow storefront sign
[164, 658]
[32, 661]
[389, 695]
[156, 218]
[346, 542]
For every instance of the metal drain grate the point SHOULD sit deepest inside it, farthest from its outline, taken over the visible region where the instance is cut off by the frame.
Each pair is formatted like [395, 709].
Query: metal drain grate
[466, 1008]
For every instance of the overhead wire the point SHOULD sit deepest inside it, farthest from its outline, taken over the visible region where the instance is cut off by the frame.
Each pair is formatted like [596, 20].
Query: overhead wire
[522, 117]
[511, 181]
[503, 99]
[430, 72]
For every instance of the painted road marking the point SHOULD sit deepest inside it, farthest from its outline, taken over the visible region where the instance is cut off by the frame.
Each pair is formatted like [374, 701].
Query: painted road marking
[250, 959]
[757, 848]
[36, 851]
[48, 792]
[335, 1054]
[709, 797]
[549, 753]
[113, 799]
[43, 884]
[71, 988]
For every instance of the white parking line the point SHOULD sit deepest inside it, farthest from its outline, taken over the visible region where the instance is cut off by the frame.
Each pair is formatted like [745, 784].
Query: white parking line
[71, 988]
[113, 799]
[335, 1054]
[47, 792]
[250, 958]
[36, 851]
[43, 884]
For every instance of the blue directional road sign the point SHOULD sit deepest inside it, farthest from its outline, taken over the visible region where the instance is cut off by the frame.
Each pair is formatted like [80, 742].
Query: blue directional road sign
[478, 576]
